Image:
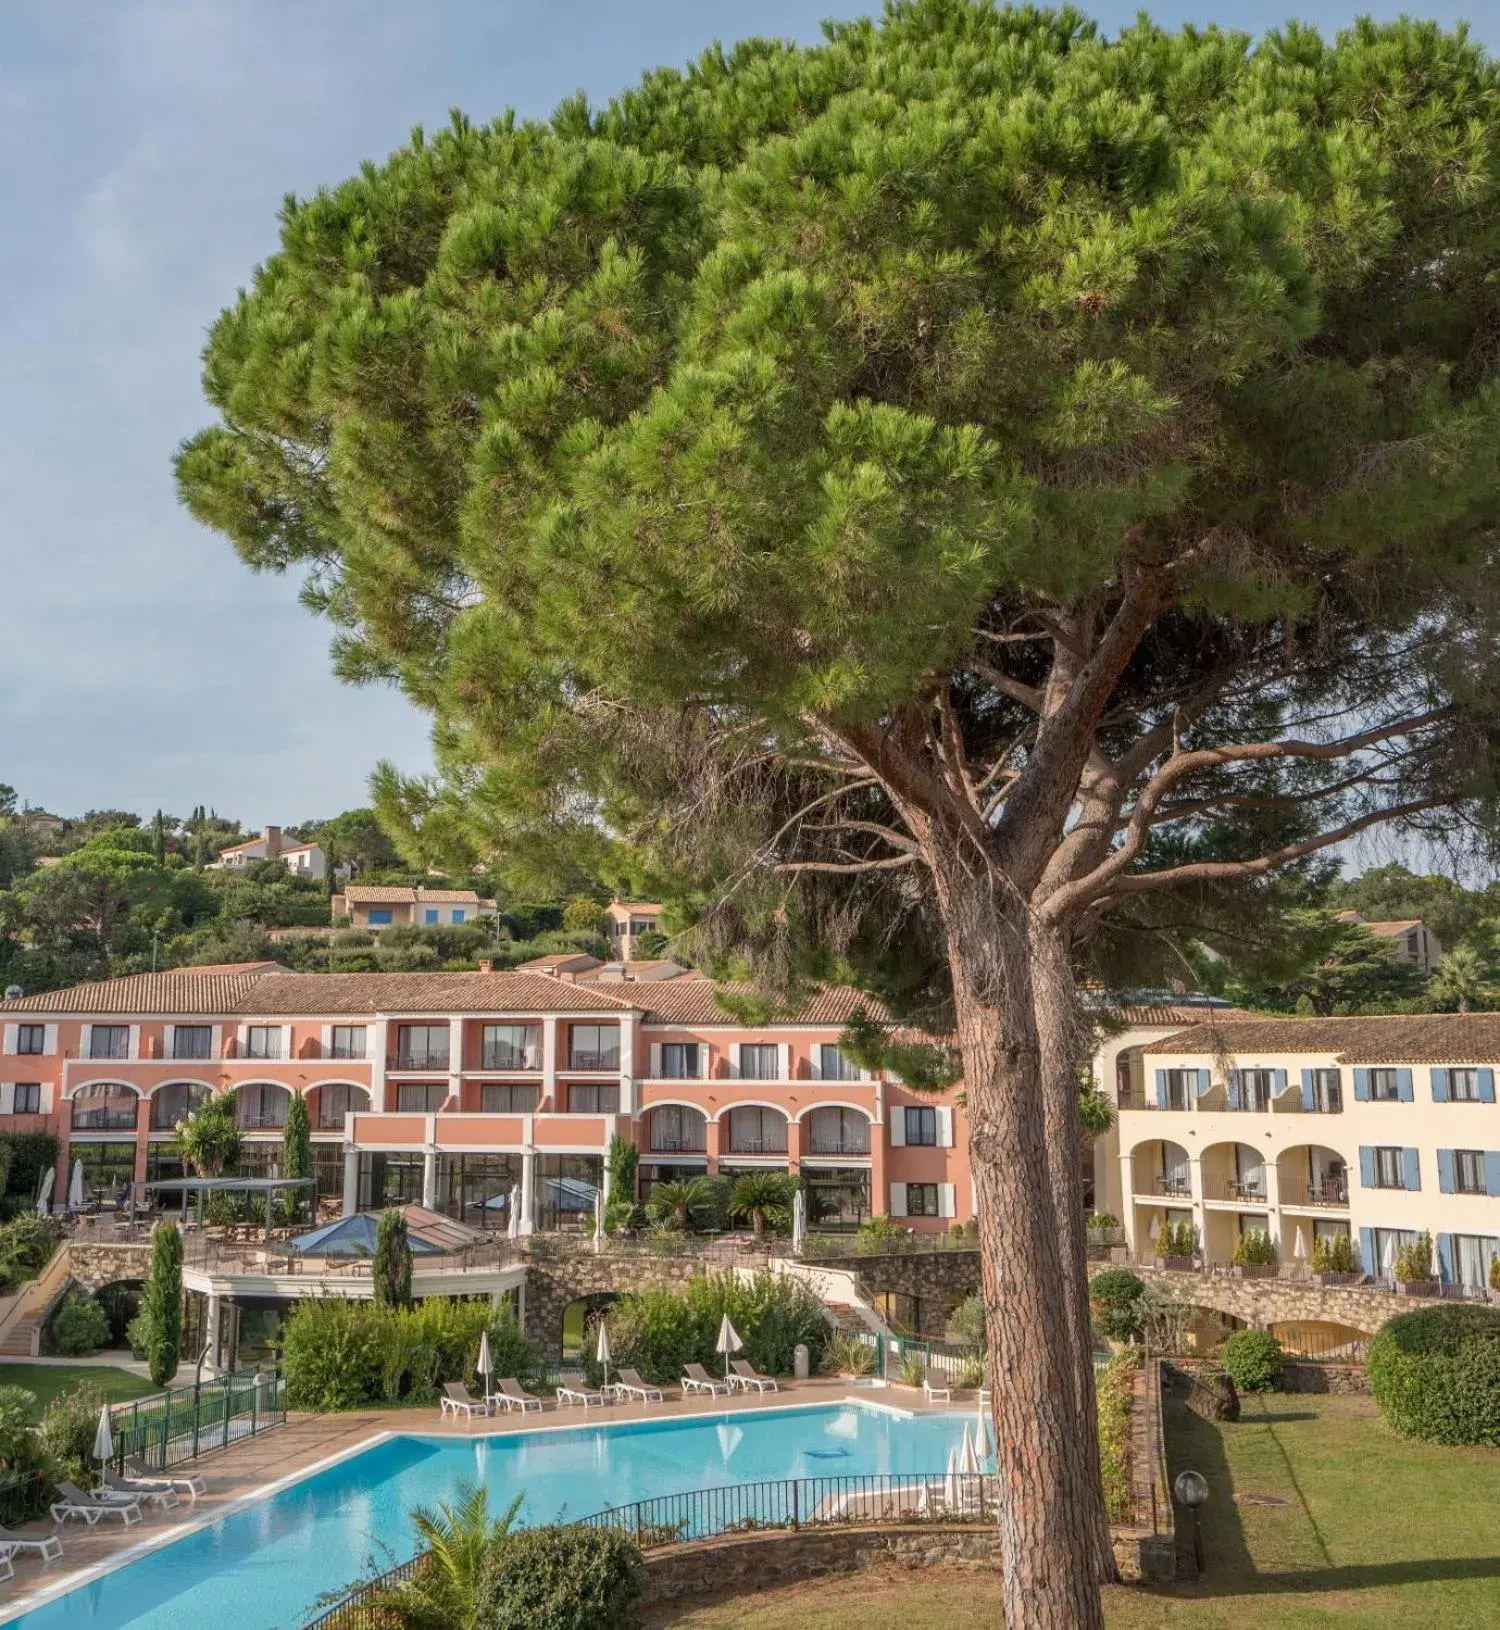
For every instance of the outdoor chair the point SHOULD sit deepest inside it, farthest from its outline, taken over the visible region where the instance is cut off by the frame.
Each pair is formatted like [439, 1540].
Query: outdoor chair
[7, 1567]
[587, 1396]
[696, 1379]
[190, 1486]
[746, 1376]
[514, 1396]
[75, 1503]
[47, 1546]
[161, 1495]
[457, 1398]
[630, 1383]
[937, 1386]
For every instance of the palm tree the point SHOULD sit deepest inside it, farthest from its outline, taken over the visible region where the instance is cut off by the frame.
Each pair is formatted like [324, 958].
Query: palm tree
[457, 1536]
[1460, 979]
[677, 1204]
[209, 1137]
[763, 1199]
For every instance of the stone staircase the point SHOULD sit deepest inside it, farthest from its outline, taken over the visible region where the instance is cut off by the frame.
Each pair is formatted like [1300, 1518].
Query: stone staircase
[23, 1314]
[849, 1309]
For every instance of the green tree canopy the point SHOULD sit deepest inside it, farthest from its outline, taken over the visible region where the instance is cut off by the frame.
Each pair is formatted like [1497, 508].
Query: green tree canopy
[951, 488]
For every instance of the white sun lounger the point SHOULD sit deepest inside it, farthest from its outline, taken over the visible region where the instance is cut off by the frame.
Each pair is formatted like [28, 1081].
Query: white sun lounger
[512, 1395]
[937, 1387]
[46, 1546]
[190, 1486]
[75, 1503]
[746, 1376]
[696, 1379]
[457, 1398]
[587, 1396]
[630, 1383]
[116, 1488]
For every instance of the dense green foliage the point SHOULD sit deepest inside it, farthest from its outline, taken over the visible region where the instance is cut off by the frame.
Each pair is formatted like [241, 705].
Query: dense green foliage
[459, 1538]
[20, 1449]
[1436, 1373]
[390, 1268]
[1414, 1260]
[27, 1242]
[967, 1323]
[342, 1355]
[1255, 1249]
[1114, 1398]
[659, 1331]
[1336, 1254]
[26, 1157]
[1177, 1239]
[764, 1200]
[1117, 1301]
[296, 1142]
[209, 1135]
[1253, 1360]
[79, 1326]
[563, 1578]
[156, 1330]
[66, 1433]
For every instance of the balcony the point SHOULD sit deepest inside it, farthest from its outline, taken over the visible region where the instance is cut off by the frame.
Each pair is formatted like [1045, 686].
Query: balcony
[848, 1145]
[1251, 1191]
[506, 1058]
[104, 1120]
[418, 1061]
[666, 1144]
[1166, 1188]
[757, 1146]
[581, 1059]
[261, 1120]
[1330, 1192]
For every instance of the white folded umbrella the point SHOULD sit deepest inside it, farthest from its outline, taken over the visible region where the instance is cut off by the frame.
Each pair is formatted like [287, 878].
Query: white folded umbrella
[513, 1221]
[44, 1197]
[602, 1351]
[75, 1188]
[485, 1366]
[104, 1437]
[728, 1342]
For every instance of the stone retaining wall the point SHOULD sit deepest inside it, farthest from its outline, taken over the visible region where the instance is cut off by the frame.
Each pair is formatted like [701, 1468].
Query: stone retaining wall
[1344, 1379]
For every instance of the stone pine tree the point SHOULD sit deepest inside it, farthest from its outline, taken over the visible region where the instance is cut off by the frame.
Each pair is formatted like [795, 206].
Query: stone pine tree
[943, 496]
[158, 1326]
[390, 1269]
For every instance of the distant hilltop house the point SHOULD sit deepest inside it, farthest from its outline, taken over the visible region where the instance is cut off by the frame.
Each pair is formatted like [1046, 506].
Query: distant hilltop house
[625, 922]
[1416, 944]
[377, 906]
[39, 823]
[579, 968]
[300, 859]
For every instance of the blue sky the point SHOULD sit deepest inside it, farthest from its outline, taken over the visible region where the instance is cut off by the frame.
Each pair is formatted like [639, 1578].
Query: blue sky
[151, 143]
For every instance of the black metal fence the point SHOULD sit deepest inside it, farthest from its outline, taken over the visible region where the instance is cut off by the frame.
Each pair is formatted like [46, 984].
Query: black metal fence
[804, 1502]
[363, 1608]
[183, 1422]
[22, 1499]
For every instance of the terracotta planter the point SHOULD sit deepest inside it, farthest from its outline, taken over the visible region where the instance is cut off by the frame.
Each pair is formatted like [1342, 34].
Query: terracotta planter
[1331, 1281]
[1417, 1287]
[1176, 1264]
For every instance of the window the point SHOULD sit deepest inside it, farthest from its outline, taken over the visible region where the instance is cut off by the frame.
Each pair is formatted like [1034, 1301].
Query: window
[1385, 1086]
[109, 1041]
[346, 1041]
[31, 1038]
[335, 1101]
[509, 1097]
[594, 1098]
[1463, 1086]
[760, 1061]
[757, 1131]
[28, 1099]
[459, 915]
[104, 1106]
[1252, 1089]
[169, 1104]
[1182, 1088]
[1176, 1174]
[1327, 1092]
[1472, 1255]
[840, 1132]
[921, 1200]
[192, 1041]
[260, 1106]
[421, 1097]
[676, 1129]
[1389, 1169]
[422, 1047]
[679, 1060]
[833, 1066]
[1386, 1243]
[263, 1041]
[380, 917]
[509, 1047]
[430, 915]
[1468, 1171]
[594, 1047]
[921, 1126]
[642, 925]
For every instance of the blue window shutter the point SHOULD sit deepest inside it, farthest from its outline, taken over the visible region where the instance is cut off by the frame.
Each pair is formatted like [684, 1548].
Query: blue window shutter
[1366, 1166]
[1307, 1091]
[1362, 1086]
[1439, 1085]
[1280, 1082]
[1411, 1170]
[1445, 1258]
[1492, 1171]
[1161, 1089]
[1404, 1086]
[1445, 1171]
[1205, 1081]
[1486, 1086]
[1367, 1245]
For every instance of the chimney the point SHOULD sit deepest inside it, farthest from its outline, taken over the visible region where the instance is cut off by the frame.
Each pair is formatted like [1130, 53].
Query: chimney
[273, 842]
[486, 965]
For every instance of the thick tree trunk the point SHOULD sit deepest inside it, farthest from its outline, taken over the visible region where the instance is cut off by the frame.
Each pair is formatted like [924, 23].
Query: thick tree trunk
[1050, 1567]
[1060, 1032]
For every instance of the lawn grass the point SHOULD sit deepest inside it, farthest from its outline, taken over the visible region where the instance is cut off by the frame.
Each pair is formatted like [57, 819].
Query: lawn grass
[1375, 1532]
[48, 1380]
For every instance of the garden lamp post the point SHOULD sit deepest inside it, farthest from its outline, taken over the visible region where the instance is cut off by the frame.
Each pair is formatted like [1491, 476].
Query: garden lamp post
[1191, 1490]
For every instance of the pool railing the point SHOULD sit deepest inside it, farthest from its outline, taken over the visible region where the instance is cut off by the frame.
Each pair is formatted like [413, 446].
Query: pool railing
[181, 1423]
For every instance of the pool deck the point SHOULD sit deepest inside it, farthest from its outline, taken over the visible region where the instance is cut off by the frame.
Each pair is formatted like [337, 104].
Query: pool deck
[247, 1470]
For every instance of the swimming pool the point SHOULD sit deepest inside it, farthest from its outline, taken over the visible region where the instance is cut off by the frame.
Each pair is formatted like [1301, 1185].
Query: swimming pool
[263, 1567]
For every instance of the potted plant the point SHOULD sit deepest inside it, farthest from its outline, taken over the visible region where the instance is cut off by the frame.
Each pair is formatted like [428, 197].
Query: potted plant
[1335, 1261]
[1255, 1255]
[1495, 1280]
[1414, 1275]
[1177, 1248]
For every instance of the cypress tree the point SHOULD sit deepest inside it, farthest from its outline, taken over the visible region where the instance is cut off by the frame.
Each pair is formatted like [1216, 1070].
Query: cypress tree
[390, 1269]
[160, 1320]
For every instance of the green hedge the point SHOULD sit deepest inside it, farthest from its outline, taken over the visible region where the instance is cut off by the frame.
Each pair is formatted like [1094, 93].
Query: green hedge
[1436, 1374]
[562, 1578]
[1252, 1359]
[344, 1355]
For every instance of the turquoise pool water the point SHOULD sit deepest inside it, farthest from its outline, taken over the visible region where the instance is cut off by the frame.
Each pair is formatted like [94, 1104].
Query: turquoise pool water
[264, 1567]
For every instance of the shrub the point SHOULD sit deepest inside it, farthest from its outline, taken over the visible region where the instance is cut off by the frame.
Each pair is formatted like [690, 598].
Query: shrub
[1436, 1374]
[971, 1371]
[1255, 1248]
[967, 1322]
[27, 1242]
[1178, 1239]
[1117, 1300]
[1337, 1255]
[1414, 1260]
[847, 1355]
[1116, 1392]
[913, 1367]
[390, 1268]
[79, 1326]
[1495, 1272]
[66, 1435]
[1252, 1359]
[563, 1578]
[879, 1233]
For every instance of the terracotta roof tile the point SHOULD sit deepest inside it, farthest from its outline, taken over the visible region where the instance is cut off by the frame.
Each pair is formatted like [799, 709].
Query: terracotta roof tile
[1397, 1038]
[1158, 1013]
[696, 1001]
[216, 989]
[508, 992]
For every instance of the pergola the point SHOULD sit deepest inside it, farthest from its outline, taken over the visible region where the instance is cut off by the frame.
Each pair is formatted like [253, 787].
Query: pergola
[267, 1186]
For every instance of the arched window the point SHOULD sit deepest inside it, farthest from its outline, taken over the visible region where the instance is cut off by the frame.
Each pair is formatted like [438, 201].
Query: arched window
[105, 1106]
[170, 1103]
